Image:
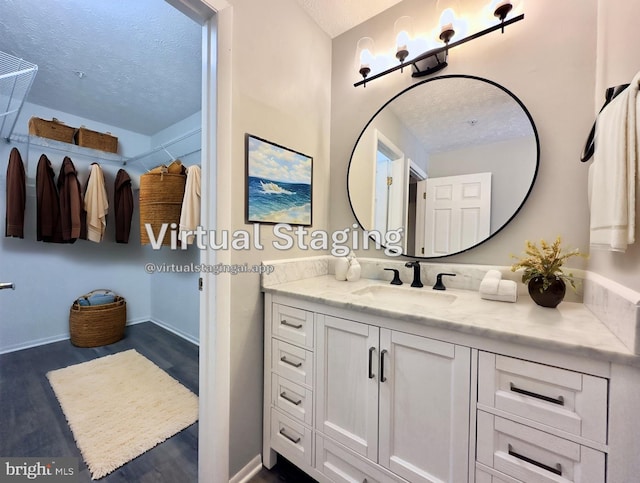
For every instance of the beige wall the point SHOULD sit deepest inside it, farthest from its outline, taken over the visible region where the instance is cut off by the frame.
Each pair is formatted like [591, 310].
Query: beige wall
[547, 60]
[618, 60]
[281, 92]
[294, 86]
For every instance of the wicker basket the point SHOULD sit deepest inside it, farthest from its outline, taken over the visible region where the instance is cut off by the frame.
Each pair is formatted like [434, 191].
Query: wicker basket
[96, 325]
[96, 140]
[160, 202]
[53, 129]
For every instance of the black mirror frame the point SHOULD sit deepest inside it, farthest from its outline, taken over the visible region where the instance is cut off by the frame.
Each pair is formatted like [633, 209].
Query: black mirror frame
[458, 76]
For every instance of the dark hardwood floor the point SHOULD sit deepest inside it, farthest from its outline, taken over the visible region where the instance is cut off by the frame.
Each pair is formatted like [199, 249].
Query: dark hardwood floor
[282, 471]
[32, 423]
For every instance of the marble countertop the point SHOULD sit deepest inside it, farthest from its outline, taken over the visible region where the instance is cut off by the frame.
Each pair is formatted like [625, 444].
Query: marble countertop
[571, 327]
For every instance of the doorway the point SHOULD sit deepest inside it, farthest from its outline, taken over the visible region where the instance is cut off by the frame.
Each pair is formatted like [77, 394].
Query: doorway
[88, 261]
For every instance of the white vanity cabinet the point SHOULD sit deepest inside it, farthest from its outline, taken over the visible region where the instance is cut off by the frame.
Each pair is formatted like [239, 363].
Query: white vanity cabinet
[352, 397]
[352, 401]
[398, 399]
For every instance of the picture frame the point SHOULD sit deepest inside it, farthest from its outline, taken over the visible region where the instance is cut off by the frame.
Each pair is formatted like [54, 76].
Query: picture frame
[279, 183]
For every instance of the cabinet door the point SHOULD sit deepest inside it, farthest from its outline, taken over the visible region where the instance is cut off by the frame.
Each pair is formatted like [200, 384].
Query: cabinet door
[347, 383]
[424, 408]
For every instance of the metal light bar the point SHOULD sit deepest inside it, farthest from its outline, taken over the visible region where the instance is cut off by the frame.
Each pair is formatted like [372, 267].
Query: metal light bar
[435, 52]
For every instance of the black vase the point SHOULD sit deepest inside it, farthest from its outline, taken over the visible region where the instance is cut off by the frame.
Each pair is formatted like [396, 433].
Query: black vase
[549, 297]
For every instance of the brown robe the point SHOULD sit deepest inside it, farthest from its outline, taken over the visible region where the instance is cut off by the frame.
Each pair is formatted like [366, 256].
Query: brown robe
[16, 196]
[70, 201]
[48, 226]
[123, 202]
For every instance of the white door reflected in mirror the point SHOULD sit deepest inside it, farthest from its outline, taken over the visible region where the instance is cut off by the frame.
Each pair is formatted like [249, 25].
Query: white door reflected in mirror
[457, 213]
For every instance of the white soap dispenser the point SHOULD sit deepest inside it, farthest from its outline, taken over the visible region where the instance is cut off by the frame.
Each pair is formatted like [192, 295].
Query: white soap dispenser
[341, 267]
[353, 273]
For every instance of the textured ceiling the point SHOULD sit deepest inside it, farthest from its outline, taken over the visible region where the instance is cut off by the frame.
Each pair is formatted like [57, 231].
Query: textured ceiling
[337, 16]
[453, 113]
[142, 58]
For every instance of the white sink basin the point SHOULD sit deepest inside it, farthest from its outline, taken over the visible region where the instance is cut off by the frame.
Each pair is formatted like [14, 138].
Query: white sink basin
[395, 296]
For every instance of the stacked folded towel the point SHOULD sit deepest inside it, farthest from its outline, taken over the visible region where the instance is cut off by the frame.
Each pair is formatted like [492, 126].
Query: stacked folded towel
[493, 287]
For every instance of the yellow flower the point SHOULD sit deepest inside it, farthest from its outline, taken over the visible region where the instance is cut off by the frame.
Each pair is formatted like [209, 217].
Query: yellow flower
[545, 261]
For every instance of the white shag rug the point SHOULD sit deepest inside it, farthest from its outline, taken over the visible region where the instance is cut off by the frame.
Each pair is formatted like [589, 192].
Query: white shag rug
[120, 406]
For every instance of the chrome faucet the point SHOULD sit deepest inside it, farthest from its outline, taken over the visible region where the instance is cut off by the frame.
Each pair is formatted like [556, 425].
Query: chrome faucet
[416, 273]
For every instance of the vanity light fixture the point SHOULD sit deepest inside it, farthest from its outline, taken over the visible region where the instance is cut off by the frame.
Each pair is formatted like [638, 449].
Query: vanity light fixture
[364, 57]
[433, 60]
[402, 30]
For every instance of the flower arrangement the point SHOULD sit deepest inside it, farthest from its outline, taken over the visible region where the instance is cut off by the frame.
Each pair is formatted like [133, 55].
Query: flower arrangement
[546, 262]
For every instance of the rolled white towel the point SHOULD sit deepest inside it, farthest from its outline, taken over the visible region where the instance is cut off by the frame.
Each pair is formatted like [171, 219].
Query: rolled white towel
[507, 292]
[489, 286]
[493, 274]
[490, 282]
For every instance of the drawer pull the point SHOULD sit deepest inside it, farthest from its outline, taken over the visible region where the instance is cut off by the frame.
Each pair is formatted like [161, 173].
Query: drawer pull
[556, 471]
[289, 324]
[559, 400]
[371, 351]
[283, 395]
[382, 377]
[293, 440]
[286, 361]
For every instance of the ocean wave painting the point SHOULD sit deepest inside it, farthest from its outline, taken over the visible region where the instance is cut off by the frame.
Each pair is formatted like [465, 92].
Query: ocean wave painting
[278, 184]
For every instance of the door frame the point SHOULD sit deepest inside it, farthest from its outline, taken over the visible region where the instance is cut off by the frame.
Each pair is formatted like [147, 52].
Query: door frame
[215, 314]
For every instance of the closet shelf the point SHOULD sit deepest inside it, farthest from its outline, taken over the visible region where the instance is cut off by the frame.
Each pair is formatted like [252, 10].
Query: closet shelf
[179, 147]
[16, 79]
[69, 149]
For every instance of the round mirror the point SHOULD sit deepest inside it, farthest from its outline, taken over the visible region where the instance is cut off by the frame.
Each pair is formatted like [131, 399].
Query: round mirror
[449, 161]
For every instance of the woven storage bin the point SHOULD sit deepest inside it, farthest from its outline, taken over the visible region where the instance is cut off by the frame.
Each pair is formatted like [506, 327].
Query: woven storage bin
[96, 325]
[53, 129]
[96, 140]
[160, 202]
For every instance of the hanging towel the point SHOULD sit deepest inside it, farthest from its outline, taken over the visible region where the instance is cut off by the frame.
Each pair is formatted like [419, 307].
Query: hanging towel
[96, 204]
[16, 196]
[612, 175]
[190, 212]
[123, 206]
[48, 226]
[70, 201]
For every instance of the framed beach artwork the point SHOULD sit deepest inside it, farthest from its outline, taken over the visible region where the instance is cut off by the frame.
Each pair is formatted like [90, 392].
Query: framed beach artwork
[278, 183]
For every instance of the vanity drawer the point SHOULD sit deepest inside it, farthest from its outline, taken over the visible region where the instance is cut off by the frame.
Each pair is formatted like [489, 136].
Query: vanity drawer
[292, 362]
[530, 455]
[566, 400]
[293, 325]
[291, 439]
[291, 398]
[342, 466]
[487, 475]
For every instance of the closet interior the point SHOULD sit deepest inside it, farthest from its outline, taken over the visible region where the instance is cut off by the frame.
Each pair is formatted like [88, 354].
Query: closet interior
[48, 277]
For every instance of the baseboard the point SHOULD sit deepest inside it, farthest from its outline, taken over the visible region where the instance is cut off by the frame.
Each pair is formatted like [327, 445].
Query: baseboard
[175, 331]
[139, 320]
[34, 343]
[57, 338]
[249, 471]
